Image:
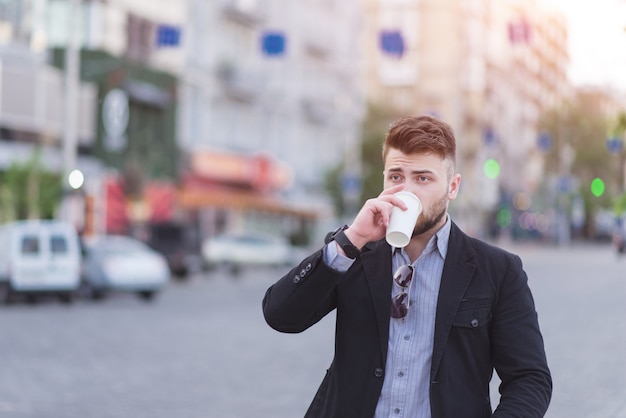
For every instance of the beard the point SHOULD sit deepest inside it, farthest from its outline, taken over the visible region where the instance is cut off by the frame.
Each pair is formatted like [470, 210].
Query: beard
[430, 217]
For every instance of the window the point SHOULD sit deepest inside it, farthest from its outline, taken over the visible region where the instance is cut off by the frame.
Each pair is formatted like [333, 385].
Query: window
[140, 38]
[30, 244]
[58, 244]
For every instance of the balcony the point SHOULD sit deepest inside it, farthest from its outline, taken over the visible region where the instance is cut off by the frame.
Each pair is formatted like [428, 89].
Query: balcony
[316, 110]
[238, 84]
[244, 12]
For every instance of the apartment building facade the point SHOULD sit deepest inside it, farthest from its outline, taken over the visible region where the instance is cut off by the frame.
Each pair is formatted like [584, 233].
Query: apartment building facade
[273, 81]
[488, 68]
[268, 87]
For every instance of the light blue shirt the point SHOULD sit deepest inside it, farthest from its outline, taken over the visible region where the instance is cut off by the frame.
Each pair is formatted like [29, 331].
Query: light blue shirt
[406, 388]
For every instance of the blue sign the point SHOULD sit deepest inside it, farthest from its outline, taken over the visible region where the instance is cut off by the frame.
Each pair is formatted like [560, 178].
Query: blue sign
[489, 137]
[168, 36]
[544, 142]
[392, 43]
[273, 43]
[614, 145]
[350, 183]
[565, 183]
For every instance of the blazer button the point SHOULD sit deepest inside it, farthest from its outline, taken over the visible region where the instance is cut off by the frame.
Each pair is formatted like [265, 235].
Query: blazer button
[474, 323]
[296, 279]
[378, 372]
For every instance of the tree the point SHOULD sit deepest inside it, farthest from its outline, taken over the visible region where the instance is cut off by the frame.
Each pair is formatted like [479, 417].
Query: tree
[374, 130]
[619, 133]
[28, 191]
[579, 130]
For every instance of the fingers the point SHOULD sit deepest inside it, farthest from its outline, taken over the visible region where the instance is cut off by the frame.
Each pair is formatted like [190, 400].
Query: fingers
[392, 189]
[388, 196]
[372, 220]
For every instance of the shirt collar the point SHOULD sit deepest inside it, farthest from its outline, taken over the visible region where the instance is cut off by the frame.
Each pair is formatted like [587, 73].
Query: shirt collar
[443, 237]
[439, 240]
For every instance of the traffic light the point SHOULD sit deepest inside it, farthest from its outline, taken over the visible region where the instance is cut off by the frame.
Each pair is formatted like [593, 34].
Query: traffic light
[597, 187]
[491, 168]
[504, 217]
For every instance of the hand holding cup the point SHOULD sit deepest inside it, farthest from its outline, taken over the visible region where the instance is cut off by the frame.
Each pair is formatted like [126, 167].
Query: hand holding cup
[402, 222]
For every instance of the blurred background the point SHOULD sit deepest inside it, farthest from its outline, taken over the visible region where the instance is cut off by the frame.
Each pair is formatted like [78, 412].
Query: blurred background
[126, 116]
[238, 132]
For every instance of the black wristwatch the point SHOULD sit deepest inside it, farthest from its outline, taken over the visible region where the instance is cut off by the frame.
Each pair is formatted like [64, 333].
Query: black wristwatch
[339, 236]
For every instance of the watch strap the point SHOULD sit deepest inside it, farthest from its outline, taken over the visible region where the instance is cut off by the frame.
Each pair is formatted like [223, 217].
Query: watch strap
[346, 245]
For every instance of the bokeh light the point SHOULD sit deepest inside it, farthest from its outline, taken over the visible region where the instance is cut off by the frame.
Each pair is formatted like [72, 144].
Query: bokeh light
[597, 187]
[491, 168]
[76, 179]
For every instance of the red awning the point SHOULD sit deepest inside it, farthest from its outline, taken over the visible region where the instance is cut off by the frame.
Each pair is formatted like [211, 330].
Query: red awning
[196, 198]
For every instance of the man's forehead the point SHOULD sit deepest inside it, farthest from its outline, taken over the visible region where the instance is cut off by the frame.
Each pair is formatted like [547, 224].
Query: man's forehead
[399, 159]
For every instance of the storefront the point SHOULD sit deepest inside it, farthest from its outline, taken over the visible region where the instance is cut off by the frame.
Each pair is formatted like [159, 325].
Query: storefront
[231, 192]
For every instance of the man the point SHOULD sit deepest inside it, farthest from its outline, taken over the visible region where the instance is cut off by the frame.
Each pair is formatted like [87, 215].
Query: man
[469, 309]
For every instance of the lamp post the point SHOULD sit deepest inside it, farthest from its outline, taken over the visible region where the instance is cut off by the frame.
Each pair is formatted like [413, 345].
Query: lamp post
[72, 80]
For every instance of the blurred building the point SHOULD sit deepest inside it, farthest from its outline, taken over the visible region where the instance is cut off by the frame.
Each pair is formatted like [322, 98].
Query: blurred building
[220, 113]
[32, 120]
[270, 88]
[488, 67]
[123, 98]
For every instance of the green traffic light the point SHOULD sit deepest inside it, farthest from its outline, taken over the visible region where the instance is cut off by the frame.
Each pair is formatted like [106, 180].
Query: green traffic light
[491, 168]
[597, 187]
[504, 218]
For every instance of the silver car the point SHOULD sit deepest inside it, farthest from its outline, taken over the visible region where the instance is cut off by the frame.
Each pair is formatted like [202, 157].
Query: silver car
[120, 263]
[238, 250]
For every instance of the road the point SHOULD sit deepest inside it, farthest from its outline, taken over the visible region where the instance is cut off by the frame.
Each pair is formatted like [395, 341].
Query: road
[202, 349]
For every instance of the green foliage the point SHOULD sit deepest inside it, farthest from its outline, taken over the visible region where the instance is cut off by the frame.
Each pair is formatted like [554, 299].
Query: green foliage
[332, 182]
[374, 130]
[618, 205]
[27, 191]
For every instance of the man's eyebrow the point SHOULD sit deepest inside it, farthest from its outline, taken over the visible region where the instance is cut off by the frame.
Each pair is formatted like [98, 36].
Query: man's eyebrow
[399, 170]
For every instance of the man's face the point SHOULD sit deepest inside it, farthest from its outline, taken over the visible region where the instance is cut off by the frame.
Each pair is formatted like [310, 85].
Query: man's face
[428, 177]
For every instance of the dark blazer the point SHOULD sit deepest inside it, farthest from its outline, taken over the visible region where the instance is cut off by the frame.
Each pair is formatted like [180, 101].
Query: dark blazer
[485, 320]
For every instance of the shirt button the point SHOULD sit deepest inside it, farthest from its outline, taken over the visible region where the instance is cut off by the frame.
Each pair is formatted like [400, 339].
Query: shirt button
[397, 410]
[378, 372]
[400, 374]
[474, 322]
[407, 337]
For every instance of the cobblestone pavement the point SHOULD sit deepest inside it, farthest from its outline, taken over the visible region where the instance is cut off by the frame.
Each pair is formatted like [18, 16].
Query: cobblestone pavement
[202, 348]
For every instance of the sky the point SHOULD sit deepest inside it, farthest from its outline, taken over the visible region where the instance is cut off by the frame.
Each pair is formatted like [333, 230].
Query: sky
[597, 41]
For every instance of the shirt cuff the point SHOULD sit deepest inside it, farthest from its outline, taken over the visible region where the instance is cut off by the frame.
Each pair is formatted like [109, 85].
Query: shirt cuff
[334, 259]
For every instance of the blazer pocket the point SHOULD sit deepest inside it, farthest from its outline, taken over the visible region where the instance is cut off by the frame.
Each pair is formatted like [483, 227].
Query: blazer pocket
[473, 313]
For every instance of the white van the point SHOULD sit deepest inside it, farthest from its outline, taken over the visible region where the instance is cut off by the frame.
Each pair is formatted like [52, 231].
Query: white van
[40, 256]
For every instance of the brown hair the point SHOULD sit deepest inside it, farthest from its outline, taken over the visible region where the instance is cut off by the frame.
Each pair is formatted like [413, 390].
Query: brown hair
[421, 134]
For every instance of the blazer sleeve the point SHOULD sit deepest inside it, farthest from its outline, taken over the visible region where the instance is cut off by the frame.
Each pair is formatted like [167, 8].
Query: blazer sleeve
[303, 296]
[517, 348]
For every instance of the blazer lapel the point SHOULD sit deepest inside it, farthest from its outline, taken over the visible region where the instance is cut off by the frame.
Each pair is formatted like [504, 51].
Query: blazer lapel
[377, 268]
[458, 270]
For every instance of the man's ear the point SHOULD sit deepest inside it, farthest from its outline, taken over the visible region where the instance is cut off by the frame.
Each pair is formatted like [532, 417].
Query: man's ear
[455, 184]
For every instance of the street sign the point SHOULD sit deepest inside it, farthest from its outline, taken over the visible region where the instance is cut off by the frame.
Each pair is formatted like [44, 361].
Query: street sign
[273, 43]
[168, 36]
[392, 43]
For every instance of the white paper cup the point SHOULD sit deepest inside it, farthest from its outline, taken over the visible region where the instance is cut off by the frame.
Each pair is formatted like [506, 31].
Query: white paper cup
[402, 222]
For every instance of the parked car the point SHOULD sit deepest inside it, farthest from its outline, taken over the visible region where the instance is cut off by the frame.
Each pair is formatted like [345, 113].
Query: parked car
[121, 263]
[39, 257]
[238, 250]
